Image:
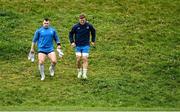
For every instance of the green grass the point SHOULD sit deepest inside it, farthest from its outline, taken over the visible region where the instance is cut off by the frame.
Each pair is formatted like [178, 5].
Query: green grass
[135, 66]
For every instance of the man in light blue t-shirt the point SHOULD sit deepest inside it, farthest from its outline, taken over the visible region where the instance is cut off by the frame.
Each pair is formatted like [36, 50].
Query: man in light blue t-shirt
[44, 37]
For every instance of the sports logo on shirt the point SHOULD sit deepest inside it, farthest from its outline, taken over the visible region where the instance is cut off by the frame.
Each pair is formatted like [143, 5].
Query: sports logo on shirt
[78, 28]
[87, 27]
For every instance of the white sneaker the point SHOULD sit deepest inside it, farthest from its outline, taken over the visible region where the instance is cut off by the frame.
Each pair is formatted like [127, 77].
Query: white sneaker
[79, 75]
[60, 53]
[42, 77]
[51, 71]
[31, 56]
[84, 76]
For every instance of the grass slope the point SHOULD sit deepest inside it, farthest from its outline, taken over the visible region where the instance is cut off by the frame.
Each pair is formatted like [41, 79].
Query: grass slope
[135, 66]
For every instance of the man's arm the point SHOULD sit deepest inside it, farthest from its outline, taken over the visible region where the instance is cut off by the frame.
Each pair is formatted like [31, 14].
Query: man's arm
[57, 40]
[32, 47]
[93, 34]
[36, 37]
[71, 37]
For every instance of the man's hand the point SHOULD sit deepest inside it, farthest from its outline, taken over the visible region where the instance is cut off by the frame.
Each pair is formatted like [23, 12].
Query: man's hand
[93, 44]
[73, 45]
[58, 47]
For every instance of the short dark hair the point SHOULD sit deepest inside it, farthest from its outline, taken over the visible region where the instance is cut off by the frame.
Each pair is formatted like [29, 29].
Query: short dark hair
[81, 16]
[46, 19]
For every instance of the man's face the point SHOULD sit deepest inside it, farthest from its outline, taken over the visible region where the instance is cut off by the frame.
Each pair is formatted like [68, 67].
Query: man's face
[82, 21]
[46, 24]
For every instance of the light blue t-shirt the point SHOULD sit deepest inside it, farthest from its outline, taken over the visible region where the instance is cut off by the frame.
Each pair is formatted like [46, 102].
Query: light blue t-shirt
[44, 38]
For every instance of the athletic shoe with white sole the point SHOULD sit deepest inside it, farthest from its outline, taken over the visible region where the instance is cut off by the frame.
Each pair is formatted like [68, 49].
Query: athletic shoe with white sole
[42, 77]
[31, 56]
[60, 53]
[79, 75]
[84, 76]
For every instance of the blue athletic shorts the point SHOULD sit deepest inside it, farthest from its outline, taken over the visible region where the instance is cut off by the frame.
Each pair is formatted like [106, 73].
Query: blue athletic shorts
[82, 50]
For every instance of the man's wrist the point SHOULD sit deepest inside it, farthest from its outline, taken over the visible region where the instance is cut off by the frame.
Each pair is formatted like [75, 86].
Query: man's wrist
[59, 46]
[32, 50]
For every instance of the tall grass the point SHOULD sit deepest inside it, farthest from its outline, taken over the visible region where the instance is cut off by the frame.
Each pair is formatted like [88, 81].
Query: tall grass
[135, 65]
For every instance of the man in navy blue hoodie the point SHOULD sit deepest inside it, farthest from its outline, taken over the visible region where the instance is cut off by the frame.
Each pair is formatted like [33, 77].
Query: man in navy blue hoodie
[79, 37]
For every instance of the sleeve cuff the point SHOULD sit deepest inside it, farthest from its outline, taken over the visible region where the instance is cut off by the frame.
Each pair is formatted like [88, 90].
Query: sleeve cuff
[58, 43]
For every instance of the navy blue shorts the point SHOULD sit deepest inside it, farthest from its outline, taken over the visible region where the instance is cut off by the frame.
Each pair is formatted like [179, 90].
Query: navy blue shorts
[46, 53]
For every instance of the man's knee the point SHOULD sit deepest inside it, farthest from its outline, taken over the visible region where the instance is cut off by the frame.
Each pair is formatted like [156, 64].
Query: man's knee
[41, 62]
[78, 58]
[52, 57]
[41, 58]
[85, 59]
[53, 62]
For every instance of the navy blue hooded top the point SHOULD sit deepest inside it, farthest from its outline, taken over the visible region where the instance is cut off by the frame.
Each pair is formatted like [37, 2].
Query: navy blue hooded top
[82, 34]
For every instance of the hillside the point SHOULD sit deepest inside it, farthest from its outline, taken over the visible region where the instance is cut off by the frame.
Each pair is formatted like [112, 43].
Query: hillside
[135, 65]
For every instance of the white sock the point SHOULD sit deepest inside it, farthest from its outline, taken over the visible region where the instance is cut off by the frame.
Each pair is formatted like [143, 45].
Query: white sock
[84, 73]
[52, 66]
[41, 69]
[79, 70]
